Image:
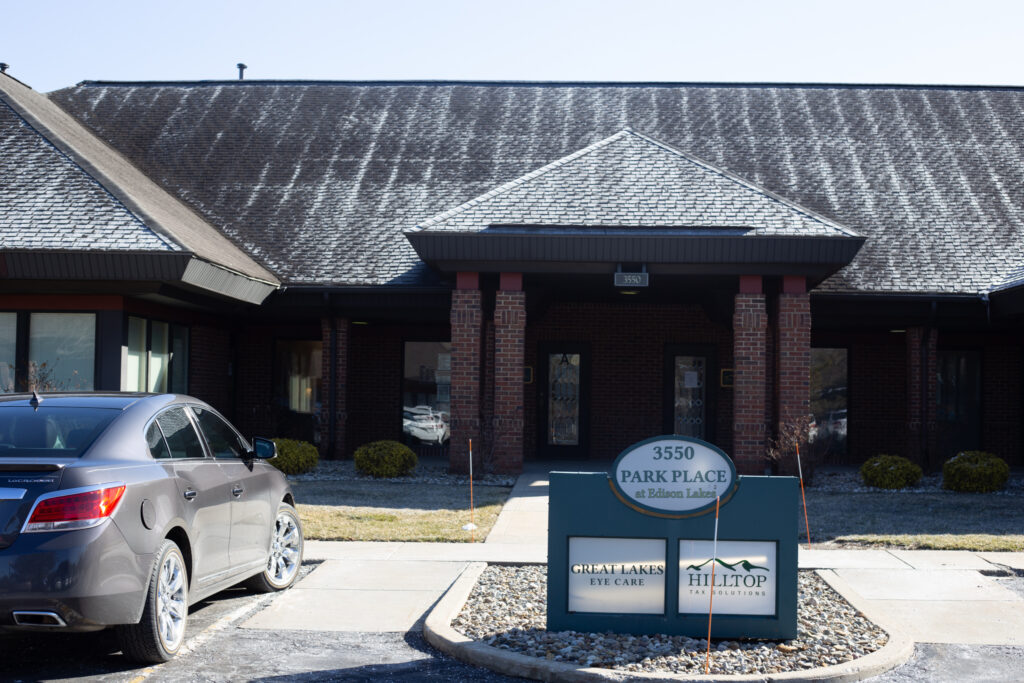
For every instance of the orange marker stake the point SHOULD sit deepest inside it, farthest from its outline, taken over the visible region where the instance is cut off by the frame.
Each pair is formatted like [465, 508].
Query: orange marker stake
[711, 601]
[800, 471]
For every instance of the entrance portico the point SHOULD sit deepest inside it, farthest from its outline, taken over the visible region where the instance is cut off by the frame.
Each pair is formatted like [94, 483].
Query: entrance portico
[550, 359]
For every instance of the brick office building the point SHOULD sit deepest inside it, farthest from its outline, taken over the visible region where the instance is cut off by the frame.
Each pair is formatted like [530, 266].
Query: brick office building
[551, 270]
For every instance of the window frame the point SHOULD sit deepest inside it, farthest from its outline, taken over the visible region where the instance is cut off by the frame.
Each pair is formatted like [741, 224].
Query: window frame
[173, 331]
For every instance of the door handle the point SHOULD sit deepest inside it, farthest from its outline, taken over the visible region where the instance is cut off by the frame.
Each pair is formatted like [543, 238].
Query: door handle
[190, 494]
[237, 491]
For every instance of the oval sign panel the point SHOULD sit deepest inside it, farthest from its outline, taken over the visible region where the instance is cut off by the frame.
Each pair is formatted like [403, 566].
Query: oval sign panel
[673, 476]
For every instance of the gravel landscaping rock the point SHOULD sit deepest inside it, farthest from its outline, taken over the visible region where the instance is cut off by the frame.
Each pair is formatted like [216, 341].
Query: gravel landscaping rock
[431, 470]
[507, 610]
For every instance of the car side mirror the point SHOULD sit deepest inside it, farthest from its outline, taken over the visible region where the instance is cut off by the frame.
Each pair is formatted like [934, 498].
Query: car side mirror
[262, 448]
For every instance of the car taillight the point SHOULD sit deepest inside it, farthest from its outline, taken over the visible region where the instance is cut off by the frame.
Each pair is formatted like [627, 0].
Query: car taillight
[79, 509]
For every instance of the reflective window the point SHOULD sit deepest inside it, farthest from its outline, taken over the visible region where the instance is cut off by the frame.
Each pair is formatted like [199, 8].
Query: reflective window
[690, 399]
[299, 375]
[828, 403]
[221, 438]
[8, 349]
[182, 439]
[156, 358]
[61, 351]
[426, 392]
[564, 399]
[155, 441]
[50, 431]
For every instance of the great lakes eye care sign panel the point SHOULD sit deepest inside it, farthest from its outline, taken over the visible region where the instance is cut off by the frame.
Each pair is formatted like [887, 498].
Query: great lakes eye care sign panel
[632, 550]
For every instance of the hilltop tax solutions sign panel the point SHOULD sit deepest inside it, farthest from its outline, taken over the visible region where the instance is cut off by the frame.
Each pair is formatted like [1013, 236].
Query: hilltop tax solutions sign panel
[633, 551]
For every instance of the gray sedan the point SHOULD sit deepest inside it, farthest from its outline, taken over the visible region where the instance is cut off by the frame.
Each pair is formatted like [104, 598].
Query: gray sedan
[122, 509]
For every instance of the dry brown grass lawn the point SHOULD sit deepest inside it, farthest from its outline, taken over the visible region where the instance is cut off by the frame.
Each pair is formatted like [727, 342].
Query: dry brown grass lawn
[395, 510]
[936, 521]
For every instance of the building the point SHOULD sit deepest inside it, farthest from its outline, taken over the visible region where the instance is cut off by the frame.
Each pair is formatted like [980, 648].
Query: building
[552, 270]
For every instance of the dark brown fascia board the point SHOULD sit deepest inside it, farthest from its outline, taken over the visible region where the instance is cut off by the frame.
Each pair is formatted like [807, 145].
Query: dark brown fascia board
[175, 267]
[489, 252]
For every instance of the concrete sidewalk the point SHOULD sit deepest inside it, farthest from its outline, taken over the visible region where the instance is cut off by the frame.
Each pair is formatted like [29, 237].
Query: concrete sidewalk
[929, 596]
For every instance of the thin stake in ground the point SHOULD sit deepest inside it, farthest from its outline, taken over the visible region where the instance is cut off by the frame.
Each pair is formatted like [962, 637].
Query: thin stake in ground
[471, 527]
[800, 471]
[711, 600]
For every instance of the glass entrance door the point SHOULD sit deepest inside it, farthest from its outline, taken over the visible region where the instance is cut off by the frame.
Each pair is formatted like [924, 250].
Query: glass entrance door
[562, 401]
[690, 381]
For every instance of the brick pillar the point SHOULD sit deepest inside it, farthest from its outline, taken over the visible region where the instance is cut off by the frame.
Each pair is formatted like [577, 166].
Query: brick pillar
[749, 325]
[793, 366]
[466, 320]
[334, 387]
[922, 395]
[509, 349]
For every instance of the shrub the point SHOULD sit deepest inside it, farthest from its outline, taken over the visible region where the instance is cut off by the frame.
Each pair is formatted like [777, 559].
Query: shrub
[385, 459]
[975, 472]
[295, 457]
[890, 472]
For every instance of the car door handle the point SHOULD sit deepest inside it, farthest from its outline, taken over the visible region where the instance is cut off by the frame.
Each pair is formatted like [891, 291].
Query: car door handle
[237, 491]
[190, 494]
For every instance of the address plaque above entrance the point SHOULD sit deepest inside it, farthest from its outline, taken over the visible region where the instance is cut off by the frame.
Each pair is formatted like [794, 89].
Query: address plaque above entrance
[673, 476]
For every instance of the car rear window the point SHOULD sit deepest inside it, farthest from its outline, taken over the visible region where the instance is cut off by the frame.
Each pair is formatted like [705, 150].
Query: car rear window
[51, 432]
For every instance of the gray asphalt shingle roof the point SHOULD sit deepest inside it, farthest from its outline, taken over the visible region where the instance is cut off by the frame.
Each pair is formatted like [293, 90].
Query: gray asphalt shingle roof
[47, 201]
[320, 180]
[630, 180]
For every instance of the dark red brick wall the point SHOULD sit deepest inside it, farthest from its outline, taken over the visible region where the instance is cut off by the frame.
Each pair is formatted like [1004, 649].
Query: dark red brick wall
[627, 381]
[1001, 406]
[509, 349]
[209, 367]
[750, 431]
[375, 384]
[876, 395]
[466, 330]
[793, 367]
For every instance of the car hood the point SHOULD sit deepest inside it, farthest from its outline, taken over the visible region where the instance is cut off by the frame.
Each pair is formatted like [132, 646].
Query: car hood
[21, 483]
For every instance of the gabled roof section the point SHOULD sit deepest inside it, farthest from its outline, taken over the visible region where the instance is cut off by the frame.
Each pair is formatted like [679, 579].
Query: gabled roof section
[49, 202]
[74, 208]
[320, 180]
[635, 183]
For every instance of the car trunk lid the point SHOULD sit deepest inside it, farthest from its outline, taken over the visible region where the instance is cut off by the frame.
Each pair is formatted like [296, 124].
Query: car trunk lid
[21, 483]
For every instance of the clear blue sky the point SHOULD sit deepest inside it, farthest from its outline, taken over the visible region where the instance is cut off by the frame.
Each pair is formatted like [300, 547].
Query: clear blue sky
[56, 43]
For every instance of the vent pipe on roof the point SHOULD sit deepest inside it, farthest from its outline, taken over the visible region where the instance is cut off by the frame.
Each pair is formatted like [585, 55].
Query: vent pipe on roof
[241, 70]
[4, 67]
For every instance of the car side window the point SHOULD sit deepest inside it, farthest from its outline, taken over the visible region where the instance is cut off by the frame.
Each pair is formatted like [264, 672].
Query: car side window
[182, 439]
[223, 440]
[155, 440]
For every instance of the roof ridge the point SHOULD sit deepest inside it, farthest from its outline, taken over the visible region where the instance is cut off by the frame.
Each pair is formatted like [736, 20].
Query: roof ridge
[516, 182]
[749, 184]
[570, 83]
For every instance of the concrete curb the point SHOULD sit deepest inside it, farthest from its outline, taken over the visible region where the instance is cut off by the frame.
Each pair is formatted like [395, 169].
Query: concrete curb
[439, 633]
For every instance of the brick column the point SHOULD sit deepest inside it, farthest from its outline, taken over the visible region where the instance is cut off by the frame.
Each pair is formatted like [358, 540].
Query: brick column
[793, 386]
[334, 387]
[509, 349]
[749, 326]
[466, 320]
[922, 394]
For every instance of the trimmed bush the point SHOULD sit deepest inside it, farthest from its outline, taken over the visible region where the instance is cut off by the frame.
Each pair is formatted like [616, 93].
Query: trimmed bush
[975, 472]
[295, 457]
[385, 459]
[890, 472]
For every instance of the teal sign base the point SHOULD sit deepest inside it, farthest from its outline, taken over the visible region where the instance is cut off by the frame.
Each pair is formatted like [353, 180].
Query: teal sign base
[614, 568]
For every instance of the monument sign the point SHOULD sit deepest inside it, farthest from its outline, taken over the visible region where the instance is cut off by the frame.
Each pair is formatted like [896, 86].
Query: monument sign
[632, 551]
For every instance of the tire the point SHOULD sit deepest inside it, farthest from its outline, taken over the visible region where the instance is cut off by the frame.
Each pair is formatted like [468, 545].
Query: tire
[161, 632]
[285, 553]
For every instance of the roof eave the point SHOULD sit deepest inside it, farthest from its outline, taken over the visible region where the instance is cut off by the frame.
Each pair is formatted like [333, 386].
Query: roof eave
[137, 266]
[537, 253]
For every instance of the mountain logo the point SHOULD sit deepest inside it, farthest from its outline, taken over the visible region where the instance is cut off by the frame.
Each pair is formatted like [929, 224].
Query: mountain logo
[744, 564]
